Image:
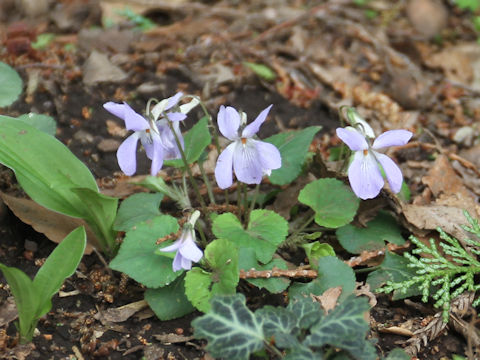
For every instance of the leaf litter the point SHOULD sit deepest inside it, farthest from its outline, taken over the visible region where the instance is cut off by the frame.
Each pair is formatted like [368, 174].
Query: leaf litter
[328, 56]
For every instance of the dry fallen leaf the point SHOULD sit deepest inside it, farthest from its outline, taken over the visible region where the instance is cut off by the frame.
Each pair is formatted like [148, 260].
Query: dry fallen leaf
[430, 217]
[329, 298]
[121, 313]
[173, 338]
[53, 225]
[8, 311]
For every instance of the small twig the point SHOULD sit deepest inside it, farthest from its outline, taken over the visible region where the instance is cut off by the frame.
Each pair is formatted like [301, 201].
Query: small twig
[275, 272]
[103, 261]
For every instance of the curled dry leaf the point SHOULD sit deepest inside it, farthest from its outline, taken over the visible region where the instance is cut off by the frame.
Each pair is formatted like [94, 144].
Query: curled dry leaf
[329, 298]
[53, 225]
[121, 313]
[8, 311]
[451, 199]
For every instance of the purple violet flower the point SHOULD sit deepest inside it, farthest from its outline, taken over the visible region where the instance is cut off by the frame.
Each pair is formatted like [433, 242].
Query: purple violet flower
[249, 158]
[155, 135]
[364, 172]
[187, 250]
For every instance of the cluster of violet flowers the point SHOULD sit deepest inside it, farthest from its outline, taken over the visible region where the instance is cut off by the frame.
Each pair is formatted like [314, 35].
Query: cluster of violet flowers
[245, 156]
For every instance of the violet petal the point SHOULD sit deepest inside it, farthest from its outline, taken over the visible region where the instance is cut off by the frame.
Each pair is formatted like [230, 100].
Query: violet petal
[173, 247]
[228, 122]
[365, 176]
[354, 140]
[133, 121]
[246, 164]
[252, 128]
[268, 154]
[392, 138]
[392, 172]
[172, 101]
[224, 166]
[157, 160]
[127, 154]
[190, 250]
[177, 262]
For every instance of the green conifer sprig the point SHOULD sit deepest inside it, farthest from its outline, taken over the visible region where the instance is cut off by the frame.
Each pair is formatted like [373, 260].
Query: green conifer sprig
[443, 275]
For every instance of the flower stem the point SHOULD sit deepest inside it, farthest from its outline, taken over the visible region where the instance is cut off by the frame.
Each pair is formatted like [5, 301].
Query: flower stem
[203, 239]
[187, 167]
[239, 200]
[213, 131]
[298, 230]
[252, 204]
[207, 183]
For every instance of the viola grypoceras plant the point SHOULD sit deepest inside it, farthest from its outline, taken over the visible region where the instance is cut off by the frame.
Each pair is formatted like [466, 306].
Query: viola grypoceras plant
[154, 133]
[364, 172]
[250, 159]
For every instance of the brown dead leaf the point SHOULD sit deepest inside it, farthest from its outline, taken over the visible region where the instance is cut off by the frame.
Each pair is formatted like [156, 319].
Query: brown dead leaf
[123, 186]
[451, 198]
[53, 225]
[460, 63]
[8, 311]
[448, 187]
[430, 217]
[329, 298]
[121, 313]
[19, 352]
[173, 338]
[364, 289]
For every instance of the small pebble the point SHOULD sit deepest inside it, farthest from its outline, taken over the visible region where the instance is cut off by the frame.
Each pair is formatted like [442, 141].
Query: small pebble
[108, 145]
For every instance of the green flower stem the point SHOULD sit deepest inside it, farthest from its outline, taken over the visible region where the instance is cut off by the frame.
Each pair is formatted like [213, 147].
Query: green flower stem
[245, 204]
[252, 204]
[298, 230]
[213, 131]
[364, 270]
[207, 183]
[239, 200]
[273, 350]
[187, 168]
[203, 239]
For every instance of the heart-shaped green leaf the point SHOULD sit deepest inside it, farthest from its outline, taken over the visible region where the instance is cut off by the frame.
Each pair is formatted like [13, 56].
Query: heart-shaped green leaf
[382, 228]
[266, 230]
[333, 202]
[11, 85]
[201, 285]
[332, 272]
[169, 302]
[137, 257]
[247, 261]
[137, 208]
[293, 147]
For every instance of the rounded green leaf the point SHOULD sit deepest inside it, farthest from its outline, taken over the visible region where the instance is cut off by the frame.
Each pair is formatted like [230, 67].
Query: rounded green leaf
[247, 261]
[317, 250]
[333, 202]
[137, 208]
[197, 288]
[266, 230]
[137, 257]
[11, 85]
[332, 272]
[293, 147]
[41, 122]
[201, 286]
[169, 302]
[382, 228]
[196, 140]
